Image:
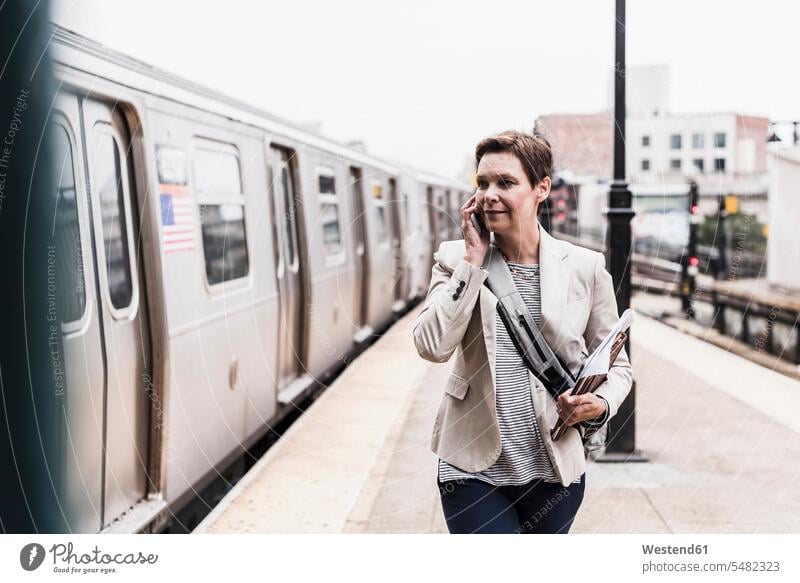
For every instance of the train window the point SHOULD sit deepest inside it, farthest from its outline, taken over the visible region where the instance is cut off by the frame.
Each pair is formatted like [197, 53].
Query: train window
[405, 210]
[69, 254]
[380, 211]
[218, 184]
[224, 242]
[442, 213]
[455, 209]
[329, 213]
[216, 171]
[289, 208]
[108, 182]
[429, 204]
[327, 184]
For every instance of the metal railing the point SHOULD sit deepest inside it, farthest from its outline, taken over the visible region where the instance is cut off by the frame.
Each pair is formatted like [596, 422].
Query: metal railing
[714, 286]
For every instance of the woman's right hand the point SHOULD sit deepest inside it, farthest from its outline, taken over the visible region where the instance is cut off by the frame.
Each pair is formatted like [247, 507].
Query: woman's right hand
[477, 243]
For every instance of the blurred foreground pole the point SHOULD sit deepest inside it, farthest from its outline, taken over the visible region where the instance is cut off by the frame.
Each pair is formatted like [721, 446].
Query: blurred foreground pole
[721, 272]
[30, 389]
[690, 262]
[622, 427]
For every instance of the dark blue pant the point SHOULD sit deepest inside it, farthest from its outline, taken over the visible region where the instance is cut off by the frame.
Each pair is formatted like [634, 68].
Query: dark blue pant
[538, 507]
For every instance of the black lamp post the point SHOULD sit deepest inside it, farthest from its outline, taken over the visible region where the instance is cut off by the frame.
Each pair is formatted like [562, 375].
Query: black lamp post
[622, 427]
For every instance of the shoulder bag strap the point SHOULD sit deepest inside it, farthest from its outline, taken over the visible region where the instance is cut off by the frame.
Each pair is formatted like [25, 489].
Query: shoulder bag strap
[531, 345]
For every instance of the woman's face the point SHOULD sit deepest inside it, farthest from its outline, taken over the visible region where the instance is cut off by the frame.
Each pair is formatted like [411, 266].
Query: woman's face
[505, 194]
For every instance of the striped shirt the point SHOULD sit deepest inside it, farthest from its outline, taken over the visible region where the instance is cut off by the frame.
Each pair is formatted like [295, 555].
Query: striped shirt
[523, 456]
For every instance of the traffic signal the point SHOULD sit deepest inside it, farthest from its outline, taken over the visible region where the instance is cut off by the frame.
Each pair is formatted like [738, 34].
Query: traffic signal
[731, 204]
[694, 204]
[693, 267]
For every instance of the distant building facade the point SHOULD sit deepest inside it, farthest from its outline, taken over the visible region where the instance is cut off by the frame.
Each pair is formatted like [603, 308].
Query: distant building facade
[582, 143]
[713, 148]
[725, 152]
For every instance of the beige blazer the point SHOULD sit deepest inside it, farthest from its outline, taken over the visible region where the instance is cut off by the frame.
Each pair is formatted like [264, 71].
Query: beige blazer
[578, 311]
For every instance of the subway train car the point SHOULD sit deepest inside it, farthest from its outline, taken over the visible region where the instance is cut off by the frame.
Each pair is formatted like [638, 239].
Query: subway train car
[225, 263]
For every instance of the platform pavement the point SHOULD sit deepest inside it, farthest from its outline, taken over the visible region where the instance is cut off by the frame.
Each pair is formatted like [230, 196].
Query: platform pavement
[720, 433]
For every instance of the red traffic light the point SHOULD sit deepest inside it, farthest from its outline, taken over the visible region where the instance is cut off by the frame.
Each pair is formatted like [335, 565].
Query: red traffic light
[694, 261]
[695, 209]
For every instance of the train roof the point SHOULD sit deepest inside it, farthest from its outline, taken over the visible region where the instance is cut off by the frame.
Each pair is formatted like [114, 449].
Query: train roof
[79, 53]
[435, 179]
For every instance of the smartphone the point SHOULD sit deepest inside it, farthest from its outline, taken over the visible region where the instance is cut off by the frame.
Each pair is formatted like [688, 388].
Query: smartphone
[477, 220]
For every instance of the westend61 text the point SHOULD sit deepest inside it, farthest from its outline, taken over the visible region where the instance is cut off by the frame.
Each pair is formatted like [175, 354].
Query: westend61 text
[673, 550]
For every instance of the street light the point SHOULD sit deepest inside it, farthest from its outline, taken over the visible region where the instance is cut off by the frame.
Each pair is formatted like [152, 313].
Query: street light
[774, 137]
[622, 427]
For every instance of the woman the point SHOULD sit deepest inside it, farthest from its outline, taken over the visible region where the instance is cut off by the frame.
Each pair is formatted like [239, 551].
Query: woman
[499, 470]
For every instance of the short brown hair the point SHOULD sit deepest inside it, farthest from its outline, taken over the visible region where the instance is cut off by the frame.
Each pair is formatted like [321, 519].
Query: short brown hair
[532, 151]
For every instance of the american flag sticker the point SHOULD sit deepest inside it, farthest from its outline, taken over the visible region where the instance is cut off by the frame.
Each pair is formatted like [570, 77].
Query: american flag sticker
[177, 222]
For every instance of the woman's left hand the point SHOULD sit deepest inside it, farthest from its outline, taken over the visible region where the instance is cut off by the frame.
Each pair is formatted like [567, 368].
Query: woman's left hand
[577, 408]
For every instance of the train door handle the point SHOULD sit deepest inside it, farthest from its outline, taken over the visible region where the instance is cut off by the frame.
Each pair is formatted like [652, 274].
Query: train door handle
[233, 373]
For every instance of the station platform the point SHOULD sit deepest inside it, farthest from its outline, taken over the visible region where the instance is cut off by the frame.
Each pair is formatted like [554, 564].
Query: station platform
[720, 433]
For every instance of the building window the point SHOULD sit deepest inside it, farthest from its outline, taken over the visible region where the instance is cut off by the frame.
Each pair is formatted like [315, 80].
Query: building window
[675, 141]
[645, 141]
[218, 184]
[698, 164]
[719, 164]
[719, 140]
[645, 165]
[329, 212]
[698, 141]
[675, 164]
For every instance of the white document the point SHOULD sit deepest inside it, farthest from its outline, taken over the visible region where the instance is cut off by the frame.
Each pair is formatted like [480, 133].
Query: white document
[598, 362]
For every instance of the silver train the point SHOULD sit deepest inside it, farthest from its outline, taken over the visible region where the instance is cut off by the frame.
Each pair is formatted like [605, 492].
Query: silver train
[223, 261]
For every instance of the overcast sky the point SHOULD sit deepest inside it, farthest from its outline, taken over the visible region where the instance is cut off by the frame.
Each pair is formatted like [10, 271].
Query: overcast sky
[422, 81]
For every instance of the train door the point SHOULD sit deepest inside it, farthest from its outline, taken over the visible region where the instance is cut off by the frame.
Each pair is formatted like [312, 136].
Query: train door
[362, 258]
[288, 274]
[399, 270]
[455, 214]
[122, 307]
[432, 227]
[80, 329]
[442, 217]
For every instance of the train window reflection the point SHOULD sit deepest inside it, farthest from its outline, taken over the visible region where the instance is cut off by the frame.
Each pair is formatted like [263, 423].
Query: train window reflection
[329, 214]
[224, 242]
[289, 209]
[68, 249]
[331, 237]
[108, 182]
[216, 171]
